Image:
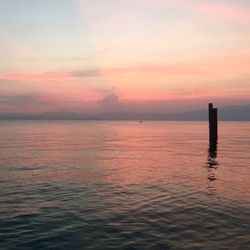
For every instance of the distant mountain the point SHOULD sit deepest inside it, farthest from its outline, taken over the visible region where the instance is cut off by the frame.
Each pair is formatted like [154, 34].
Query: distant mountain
[235, 113]
[228, 113]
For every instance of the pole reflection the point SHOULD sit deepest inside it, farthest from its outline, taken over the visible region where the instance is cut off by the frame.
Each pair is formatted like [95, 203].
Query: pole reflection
[212, 162]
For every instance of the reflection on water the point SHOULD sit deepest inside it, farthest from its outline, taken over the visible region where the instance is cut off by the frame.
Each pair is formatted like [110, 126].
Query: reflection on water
[212, 162]
[123, 185]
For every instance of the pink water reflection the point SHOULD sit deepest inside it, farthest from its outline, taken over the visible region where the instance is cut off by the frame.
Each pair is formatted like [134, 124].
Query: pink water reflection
[126, 153]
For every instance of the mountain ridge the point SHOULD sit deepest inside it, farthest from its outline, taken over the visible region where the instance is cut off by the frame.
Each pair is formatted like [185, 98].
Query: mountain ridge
[226, 113]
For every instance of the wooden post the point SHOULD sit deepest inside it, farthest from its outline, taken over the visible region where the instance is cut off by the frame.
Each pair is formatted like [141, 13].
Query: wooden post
[213, 122]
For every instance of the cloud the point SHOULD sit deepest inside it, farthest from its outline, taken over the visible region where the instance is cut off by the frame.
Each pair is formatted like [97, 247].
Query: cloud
[226, 11]
[86, 73]
[197, 67]
[69, 58]
[85, 57]
[29, 76]
[6, 82]
[218, 9]
[22, 100]
[180, 69]
[110, 102]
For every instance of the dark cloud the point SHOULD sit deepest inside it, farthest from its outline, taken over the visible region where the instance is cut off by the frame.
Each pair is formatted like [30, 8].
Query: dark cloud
[86, 73]
[23, 100]
[105, 91]
[110, 102]
[4, 81]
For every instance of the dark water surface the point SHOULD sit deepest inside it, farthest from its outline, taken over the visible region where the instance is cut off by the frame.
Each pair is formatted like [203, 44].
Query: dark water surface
[123, 185]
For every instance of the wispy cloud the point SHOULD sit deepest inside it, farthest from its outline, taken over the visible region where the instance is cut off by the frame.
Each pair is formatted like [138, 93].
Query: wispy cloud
[161, 69]
[226, 11]
[218, 9]
[68, 58]
[28, 76]
[197, 67]
[85, 57]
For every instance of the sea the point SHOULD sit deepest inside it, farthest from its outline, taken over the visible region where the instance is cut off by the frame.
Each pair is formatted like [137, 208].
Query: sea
[124, 185]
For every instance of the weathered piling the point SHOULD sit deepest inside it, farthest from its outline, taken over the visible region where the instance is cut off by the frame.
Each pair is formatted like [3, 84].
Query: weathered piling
[213, 122]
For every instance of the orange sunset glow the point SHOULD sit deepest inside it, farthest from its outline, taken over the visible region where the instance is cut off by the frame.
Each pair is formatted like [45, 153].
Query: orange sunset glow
[140, 55]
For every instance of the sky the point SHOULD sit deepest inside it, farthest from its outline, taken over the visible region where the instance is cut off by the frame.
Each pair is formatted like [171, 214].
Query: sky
[135, 55]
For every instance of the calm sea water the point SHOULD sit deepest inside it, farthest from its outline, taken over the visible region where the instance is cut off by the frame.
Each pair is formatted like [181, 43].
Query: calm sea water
[123, 185]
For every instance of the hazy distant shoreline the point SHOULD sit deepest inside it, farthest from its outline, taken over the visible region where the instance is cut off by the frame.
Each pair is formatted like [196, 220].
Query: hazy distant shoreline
[228, 113]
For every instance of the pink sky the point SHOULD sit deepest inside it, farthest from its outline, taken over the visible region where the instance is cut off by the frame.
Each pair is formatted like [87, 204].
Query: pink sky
[138, 55]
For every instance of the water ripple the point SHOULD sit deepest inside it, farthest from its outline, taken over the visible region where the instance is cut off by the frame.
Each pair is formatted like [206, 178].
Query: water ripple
[117, 185]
